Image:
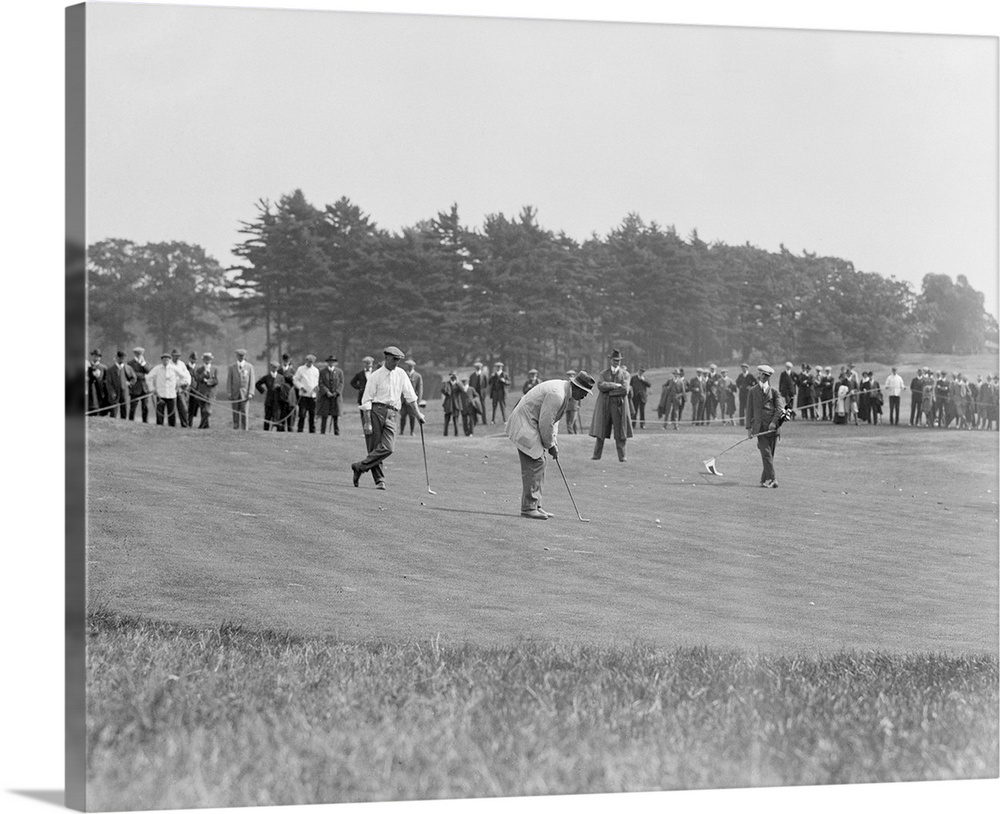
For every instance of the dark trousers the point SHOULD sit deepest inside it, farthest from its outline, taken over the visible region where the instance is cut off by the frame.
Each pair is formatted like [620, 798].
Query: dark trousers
[380, 442]
[503, 410]
[894, 410]
[766, 444]
[451, 418]
[697, 409]
[168, 408]
[743, 406]
[532, 478]
[194, 405]
[182, 412]
[639, 411]
[916, 408]
[142, 401]
[334, 424]
[407, 415]
[284, 416]
[307, 407]
[468, 423]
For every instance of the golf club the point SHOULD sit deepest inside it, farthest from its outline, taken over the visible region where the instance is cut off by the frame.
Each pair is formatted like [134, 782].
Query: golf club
[580, 516]
[710, 463]
[423, 446]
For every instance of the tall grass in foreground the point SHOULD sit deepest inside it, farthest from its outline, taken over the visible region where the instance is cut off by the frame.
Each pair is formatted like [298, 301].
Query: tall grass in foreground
[181, 717]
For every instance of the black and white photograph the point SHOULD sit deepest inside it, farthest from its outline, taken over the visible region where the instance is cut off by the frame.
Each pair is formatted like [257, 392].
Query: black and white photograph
[577, 406]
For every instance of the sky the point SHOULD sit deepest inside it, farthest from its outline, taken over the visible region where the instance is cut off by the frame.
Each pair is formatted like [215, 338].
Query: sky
[878, 148]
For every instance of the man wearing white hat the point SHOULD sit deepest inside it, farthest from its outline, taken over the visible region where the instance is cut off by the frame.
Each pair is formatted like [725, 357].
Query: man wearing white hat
[385, 390]
[533, 426]
[765, 408]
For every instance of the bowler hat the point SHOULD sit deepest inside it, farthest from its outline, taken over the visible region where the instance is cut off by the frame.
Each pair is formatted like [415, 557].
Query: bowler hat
[120, 354]
[392, 350]
[95, 352]
[584, 381]
[331, 358]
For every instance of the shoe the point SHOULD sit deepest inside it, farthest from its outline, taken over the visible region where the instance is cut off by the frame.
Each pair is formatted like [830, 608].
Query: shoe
[380, 485]
[595, 457]
[766, 484]
[535, 514]
[547, 514]
[621, 460]
[357, 474]
[774, 485]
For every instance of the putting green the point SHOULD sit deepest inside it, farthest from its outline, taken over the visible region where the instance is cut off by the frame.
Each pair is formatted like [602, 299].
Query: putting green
[878, 537]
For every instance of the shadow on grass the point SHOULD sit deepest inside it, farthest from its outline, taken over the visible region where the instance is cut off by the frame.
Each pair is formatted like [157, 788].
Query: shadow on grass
[470, 511]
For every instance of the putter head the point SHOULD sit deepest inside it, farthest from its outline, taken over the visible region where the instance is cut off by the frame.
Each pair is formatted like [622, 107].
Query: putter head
[710, 467]
[431, 491]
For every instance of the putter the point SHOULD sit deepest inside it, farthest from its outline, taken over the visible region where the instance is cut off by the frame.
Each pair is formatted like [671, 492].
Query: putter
[580, 516]
[423, 446]
[710, 463]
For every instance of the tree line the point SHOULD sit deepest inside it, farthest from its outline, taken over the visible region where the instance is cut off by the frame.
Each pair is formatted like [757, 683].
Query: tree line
[330, 280]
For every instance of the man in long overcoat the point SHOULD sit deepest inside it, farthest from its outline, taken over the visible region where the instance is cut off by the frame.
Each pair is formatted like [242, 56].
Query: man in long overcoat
[204, 382]
[331, 393]
[239, 388]
[120, 378]
[611, 416]
[499, 382]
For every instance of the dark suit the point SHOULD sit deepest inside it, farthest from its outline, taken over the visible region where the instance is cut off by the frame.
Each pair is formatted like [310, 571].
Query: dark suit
[120, 378]
[499, 382]
[479, 382]
[331, 391]
[97, 388]
[763, 416]
[272, 385]
[743, 384]
[138, 390]
[640, 387]
[786, 387]
[203, 384]
[358, 382]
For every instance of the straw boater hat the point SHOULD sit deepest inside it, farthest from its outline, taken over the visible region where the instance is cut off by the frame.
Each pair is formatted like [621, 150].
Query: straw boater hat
[766, 370]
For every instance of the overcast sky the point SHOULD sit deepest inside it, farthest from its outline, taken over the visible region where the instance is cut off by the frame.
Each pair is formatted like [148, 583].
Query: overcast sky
[878, 148]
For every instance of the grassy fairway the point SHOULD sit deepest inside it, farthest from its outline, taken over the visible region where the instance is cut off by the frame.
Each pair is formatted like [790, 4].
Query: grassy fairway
[698, 632]
[879, 538]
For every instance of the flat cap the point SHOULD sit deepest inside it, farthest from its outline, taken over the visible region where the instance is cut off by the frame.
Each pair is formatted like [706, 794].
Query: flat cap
[164, 355]
[310, 357]
[207, 355]
[138, 350]
[392, 350]
[765, 369]
[367, 359]
[533, 370]
[241, 351]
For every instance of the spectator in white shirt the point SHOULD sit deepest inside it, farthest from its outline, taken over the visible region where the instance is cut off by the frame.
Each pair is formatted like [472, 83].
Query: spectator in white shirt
[163, 381]
[894, 386]
[383, 395]
[183, 383]
[306, 382]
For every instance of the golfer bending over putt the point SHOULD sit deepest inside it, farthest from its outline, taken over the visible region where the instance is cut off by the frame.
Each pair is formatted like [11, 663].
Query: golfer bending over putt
[533, 426]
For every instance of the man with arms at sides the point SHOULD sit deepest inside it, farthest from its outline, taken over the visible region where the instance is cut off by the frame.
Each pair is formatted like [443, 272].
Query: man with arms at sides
[744, 381]
[359, 380]
[639, 385]
[893, 388]
[611, 411]
[697, 393]
[331, 392]
[97, 385]
[406, 415]
[270, 384]
[287, 370]
[120, 378]
[139, 390]
[306, 387]
[239, 388]
[183, 383]
[384, 393]
[206, 379]
[499, 382]
[479, 382]
[451, 402]
[765, 408]
[163, 382]
[533, 426]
